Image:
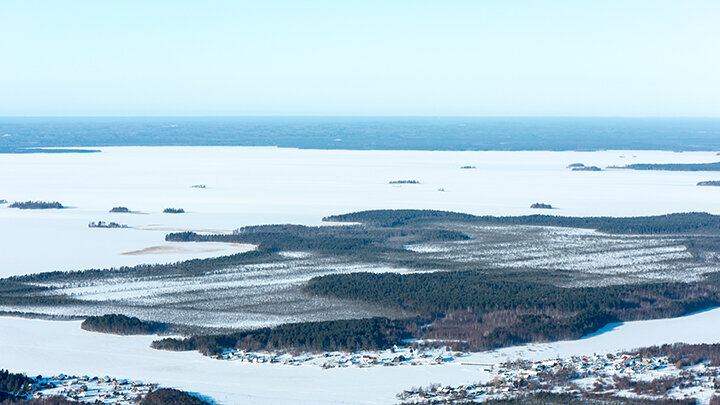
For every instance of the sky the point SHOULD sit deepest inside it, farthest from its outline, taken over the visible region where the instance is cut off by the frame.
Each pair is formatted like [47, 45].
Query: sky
[390, 57]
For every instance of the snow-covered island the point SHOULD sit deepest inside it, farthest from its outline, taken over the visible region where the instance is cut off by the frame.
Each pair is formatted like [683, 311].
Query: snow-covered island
[36, 205]
[103, 224]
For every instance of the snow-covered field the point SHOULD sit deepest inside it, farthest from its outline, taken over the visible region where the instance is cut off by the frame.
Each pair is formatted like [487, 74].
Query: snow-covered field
[594, 258]
[243, 296]
[53, 347]
[250, 186]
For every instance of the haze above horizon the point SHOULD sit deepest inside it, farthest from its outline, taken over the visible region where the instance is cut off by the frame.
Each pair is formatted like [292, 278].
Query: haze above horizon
[371, 58]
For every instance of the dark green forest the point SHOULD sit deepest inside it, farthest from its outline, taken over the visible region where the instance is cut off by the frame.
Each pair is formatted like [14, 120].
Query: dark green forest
[36, 205]
[680, 223]
[170, 396]
[344, 335]
[14, 384]
[121, 325]
[488, 311]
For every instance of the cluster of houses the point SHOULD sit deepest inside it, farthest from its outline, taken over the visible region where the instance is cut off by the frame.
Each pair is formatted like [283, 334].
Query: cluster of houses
[612, 375]
[395, 356]
[105, 390]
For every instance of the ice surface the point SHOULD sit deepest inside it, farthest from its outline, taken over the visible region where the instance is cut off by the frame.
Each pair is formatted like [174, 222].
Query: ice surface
[249, 186]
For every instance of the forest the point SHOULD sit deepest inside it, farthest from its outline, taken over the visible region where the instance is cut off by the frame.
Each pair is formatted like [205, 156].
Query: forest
[36, 205]
[121, 325]
[170, 396]
[14, 384]
[679, 223]
[488, 311]
[342, 335]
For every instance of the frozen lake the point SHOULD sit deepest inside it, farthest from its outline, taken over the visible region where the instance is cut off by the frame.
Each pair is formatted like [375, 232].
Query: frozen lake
[260, 185]
[52, 347]
[250, 186]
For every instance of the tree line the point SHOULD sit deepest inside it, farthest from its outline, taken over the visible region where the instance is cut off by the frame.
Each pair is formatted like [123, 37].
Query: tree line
[343, 335]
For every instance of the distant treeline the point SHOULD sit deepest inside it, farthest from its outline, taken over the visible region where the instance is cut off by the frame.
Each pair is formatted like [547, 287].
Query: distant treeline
[11, 149]
[347, 335]
[677, 167]
[121, 325]
[18, 286]
[488, 311]
[36, 205]
[680, 223]
[709, 183]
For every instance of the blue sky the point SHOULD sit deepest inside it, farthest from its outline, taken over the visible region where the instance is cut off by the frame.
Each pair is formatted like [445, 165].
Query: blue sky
[273, 57]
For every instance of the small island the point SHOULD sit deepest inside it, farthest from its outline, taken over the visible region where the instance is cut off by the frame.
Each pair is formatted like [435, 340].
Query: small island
[121, 325]
[174, 211]
[103, 224]
[3, 201]
[467, 167]
[580, 167]
[198, 186]
[120, 210]
[715, 183]
[36, 205]
[541, 206]
[404, 182]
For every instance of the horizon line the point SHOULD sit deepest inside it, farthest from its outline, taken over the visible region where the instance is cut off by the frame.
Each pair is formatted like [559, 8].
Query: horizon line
[370, 116]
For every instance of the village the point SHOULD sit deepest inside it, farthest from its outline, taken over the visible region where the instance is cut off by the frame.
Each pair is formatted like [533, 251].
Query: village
[395, 356]
[105, 390]
[598, 376]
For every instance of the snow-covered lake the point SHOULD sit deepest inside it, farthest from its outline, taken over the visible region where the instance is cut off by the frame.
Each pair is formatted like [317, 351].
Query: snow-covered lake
[249, 186]
[52, 347]
[253, 185]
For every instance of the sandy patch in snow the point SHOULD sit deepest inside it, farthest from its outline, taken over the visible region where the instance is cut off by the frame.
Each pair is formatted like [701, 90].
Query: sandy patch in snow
[188, 248]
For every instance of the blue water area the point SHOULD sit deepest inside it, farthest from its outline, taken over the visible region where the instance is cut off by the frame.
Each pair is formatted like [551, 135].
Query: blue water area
[384, 133]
